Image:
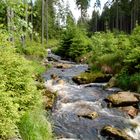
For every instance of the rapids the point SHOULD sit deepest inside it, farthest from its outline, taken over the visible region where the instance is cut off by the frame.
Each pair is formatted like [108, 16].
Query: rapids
[76, 99]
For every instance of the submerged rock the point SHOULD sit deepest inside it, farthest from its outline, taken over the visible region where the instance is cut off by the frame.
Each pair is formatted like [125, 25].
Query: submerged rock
[123, 99]
[92, 115]
[115, 133]
[86, 78]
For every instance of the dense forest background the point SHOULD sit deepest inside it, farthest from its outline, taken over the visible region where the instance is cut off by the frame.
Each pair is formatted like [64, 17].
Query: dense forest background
[108, 42]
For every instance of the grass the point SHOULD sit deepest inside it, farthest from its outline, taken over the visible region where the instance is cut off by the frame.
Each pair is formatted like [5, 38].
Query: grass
[34, 126]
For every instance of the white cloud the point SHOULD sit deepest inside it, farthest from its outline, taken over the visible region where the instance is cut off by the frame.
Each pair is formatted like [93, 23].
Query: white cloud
[76, 12]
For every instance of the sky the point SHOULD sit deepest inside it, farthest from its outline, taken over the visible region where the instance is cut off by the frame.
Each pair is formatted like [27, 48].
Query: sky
[76, 12]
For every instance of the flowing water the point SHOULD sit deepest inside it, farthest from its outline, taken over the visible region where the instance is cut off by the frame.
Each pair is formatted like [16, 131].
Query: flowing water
[74, 100]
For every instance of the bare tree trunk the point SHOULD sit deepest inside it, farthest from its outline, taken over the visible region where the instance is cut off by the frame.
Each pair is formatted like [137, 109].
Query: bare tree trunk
[10, 23]
[42, 36]
[47, 37]
[131, 20]
[117, 15]
[32, 19]
[8, 18]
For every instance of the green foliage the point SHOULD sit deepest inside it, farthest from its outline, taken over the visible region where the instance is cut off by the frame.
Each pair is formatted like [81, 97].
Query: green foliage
[133, 58]
[17, 88]
[80, 46]
[123, 80]
[74, 43]
[34, 126]
[31, 48]
[135, 39]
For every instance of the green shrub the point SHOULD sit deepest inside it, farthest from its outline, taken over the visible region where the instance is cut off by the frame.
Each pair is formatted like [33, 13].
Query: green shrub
[31, 48]
[133, 59]
[123, 80]
[34, 126]
[135, 39]
[18, 92]
[80, 45]
[135, 82]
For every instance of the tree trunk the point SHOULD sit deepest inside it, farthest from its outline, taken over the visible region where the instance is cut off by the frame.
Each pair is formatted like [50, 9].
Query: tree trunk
[47, 22]
[31, 37]
[42, 36]
[117, 15]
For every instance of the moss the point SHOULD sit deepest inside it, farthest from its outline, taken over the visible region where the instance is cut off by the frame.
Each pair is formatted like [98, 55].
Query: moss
[85, 78]
[49, 99]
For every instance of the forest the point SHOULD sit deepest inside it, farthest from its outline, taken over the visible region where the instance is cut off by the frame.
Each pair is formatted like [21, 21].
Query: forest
[108, 42]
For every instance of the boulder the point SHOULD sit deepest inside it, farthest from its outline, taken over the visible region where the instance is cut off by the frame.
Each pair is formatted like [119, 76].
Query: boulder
[63, 66]
[115, 133]
[130, 110]
[122, 99]
[61, 82]
[49, 99]
[92, 115]
[86, 78]
[112, 82]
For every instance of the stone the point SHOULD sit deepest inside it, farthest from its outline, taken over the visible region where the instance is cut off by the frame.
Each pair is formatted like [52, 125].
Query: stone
[112, 82]
[115, 133]
[49, 99]
[130, 110]
[63, 66]
[54, 76]
[122, 99]
[93, 115]
[61, 82]
[86, 78]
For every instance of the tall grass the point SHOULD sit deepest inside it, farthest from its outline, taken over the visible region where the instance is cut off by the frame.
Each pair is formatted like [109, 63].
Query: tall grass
[34, 126]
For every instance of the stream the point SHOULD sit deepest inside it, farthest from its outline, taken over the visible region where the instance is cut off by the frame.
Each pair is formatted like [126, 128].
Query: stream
[74, 100]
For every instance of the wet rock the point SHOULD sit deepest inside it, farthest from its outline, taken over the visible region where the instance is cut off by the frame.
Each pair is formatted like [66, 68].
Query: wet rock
[92, 115]
[63, 66]
[86, 78]
[61, 82]
[130, 110]
[115, 133]
[112, 82]
[54, 76]
[49, 99]
[122, 99]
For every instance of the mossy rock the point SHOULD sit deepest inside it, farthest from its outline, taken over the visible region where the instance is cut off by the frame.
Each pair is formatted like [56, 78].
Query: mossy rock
[86, 78]
[91, 116]
[49, 99]
[123, 99]
[112, 82]
[115, 133]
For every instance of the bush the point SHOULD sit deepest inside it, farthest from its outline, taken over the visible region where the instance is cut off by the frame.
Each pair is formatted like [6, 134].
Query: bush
[80, 45]
[133, 59]
[18, 92]
[31, 48]
[135, 82]
[123, 80]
